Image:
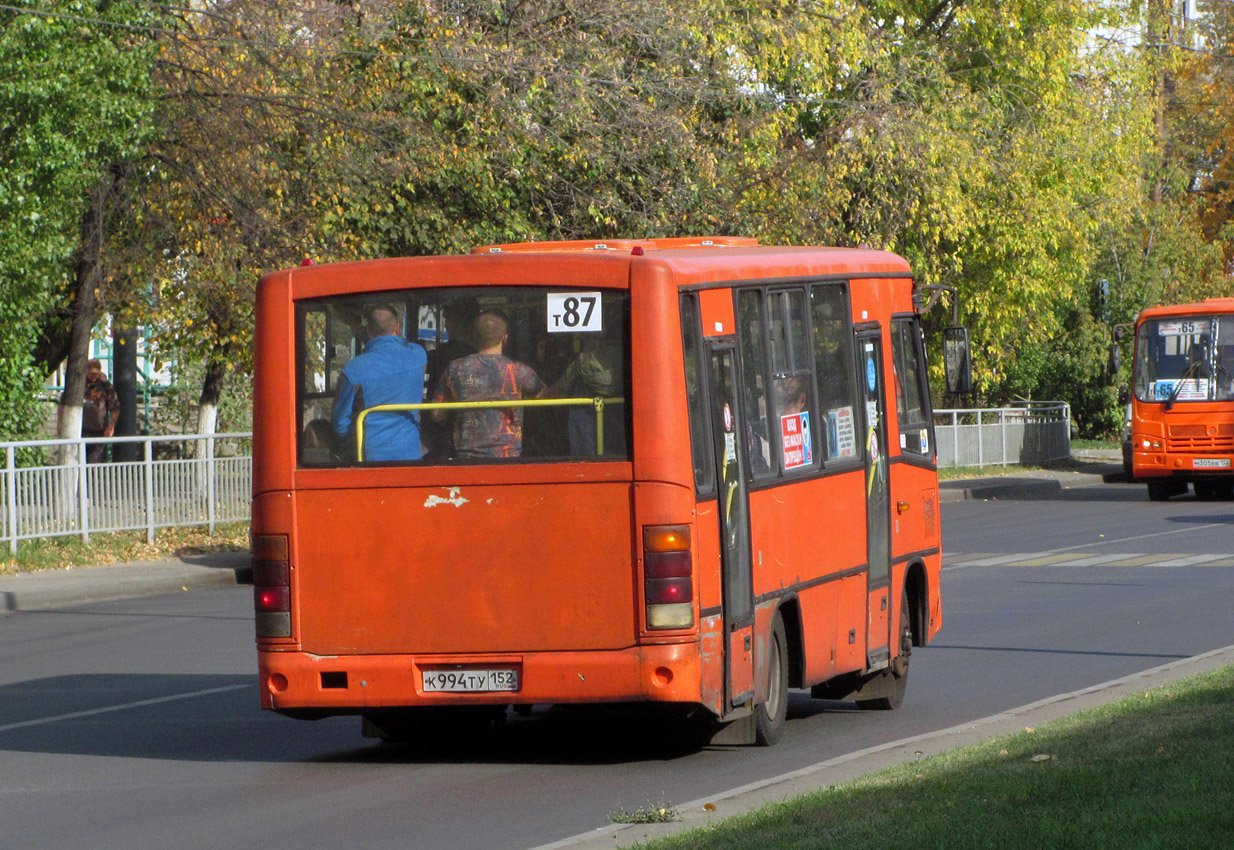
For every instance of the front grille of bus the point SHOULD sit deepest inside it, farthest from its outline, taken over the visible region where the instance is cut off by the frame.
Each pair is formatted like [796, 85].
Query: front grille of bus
[1195, 438]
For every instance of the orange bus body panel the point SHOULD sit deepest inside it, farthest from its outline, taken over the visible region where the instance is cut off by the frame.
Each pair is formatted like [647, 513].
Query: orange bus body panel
[456, 569]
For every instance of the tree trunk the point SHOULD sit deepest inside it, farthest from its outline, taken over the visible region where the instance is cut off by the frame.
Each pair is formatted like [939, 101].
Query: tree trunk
[208, 404]
[84, 310]
[124, 379]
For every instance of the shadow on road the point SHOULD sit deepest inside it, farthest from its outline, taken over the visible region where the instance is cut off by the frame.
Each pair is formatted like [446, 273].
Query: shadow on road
[216, 718]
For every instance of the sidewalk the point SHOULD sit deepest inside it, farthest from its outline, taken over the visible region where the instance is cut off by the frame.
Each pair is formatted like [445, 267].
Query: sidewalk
[1087, 468]
[80, 585]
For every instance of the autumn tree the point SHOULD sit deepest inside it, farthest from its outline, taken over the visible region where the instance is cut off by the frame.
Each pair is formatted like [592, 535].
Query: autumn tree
[76, 106]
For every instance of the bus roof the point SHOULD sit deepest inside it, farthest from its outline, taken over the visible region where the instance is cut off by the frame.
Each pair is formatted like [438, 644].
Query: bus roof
[1207, 306]
[690, 259]
[654, 244]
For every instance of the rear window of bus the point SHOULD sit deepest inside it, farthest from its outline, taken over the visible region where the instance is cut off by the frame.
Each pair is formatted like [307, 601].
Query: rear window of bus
[565, 350]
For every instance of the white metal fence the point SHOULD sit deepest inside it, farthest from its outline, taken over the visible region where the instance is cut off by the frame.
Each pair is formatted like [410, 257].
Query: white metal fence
[1032, 432]
[189, 479]
[197, 479]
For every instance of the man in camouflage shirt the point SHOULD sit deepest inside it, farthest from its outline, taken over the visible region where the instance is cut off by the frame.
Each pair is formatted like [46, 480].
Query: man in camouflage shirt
[487, 375]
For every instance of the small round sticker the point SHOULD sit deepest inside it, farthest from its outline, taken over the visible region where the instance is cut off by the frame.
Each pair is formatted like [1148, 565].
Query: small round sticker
[728, 418]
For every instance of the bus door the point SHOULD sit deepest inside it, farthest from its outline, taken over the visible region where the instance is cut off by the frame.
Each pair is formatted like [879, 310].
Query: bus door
[734, 510]
[878, 497]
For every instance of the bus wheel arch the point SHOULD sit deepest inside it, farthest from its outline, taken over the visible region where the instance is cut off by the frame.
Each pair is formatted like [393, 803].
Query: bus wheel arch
[770, 715]
[884, 690]
[917, 593]
[789, 612]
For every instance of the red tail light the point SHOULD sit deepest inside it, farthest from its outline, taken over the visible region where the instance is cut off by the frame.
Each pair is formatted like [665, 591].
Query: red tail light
[668, 577]
[272, 585]
[271, 599]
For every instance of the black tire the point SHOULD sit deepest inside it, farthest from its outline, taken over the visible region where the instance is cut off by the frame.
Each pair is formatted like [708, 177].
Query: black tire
[1160, 491]
[886, 689]
[1213, 489]
[769, 716]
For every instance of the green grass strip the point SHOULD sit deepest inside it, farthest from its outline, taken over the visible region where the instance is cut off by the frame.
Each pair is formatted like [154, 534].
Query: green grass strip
[57, 553]
[1153, 771]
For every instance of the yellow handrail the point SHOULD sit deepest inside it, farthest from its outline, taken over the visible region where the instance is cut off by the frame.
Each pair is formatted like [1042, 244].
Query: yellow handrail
[596, 402]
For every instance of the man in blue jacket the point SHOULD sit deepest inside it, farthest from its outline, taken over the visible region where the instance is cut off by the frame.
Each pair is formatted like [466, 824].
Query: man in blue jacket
[390, 371]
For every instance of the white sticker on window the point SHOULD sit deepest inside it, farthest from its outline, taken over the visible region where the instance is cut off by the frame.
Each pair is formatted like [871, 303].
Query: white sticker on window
[574, 312]
[841, 432]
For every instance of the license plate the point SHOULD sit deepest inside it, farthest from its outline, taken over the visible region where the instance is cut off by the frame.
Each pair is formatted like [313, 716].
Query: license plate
[1211, 463]
[471, 680]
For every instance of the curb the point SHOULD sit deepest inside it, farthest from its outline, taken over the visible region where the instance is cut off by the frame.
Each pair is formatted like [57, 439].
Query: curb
[1039, 484]
[50, 589]
[710, 811]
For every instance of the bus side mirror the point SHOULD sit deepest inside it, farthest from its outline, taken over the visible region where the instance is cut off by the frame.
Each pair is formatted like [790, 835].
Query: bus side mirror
[1116, 359]
[957, 365]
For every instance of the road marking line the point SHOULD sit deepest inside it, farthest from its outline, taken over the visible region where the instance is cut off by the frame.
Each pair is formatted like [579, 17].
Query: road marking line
[1101, 560]
[1189, 561]
[1061, 558]
[105, 710]
[1147, 560]
[1048, 561]
[953, 558]
[1000, 559]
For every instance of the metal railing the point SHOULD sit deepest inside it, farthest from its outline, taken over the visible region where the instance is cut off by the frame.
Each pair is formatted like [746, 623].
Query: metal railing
[1030, 432]
[182, 480]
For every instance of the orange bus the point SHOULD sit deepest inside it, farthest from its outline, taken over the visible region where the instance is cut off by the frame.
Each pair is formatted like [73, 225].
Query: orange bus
[723, 485]
[1182, 405]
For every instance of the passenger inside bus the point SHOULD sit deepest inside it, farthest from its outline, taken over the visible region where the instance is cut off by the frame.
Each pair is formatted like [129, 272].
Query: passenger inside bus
[1225, 372]
[595, 372]
[791, 396]
[488, 375]
[389, 371]
[318, 441]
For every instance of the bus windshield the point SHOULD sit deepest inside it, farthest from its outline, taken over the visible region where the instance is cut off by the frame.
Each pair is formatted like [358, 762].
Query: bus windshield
[1185, 359]
[463, 375]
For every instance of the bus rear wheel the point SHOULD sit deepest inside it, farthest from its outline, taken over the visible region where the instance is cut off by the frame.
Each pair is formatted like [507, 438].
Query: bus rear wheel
[770, 716]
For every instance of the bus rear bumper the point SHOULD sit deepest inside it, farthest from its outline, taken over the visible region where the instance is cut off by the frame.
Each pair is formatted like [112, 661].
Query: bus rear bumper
[303, 684]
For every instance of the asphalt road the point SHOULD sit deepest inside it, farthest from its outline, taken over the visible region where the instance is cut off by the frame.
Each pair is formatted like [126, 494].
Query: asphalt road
[135, 724]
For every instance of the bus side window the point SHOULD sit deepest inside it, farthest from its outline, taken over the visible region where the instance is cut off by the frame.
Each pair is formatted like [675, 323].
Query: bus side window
[833, 362]
[912, 399]
[792, 369]
[692, 349]
[754, 381]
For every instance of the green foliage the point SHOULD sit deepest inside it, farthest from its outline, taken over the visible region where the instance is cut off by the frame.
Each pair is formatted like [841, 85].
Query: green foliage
[1003, 147]
[75, 100]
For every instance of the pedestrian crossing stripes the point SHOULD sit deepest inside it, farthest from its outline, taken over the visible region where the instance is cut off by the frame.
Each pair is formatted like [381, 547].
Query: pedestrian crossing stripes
[1084, 559]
